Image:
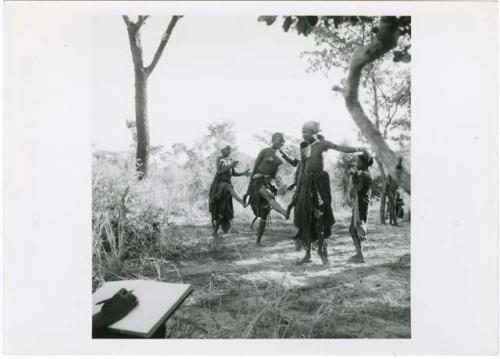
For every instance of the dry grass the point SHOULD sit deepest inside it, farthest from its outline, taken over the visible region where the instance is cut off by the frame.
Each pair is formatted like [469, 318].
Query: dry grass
[138, 233]
[276, 312]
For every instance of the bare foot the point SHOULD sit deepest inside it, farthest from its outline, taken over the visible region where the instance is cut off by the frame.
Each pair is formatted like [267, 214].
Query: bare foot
[306, 259]
[298, 246]
[324, 258]
[356, 259]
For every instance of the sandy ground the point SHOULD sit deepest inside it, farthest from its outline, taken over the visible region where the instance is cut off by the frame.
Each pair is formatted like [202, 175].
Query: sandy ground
[245, 291]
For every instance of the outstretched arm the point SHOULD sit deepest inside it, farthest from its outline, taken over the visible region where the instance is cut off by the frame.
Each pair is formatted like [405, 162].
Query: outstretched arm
[347, 149]
[237, 174]
[293, 162]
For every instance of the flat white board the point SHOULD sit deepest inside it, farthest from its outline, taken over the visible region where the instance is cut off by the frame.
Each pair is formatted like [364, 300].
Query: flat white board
[156, 302]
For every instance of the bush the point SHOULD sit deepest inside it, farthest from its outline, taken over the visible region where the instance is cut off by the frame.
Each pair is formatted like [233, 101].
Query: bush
[130, 218]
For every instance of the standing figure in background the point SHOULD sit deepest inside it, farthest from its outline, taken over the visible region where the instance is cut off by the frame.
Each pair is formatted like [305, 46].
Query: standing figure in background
[222, 192]
[400, 213]
[360, 194]
[313, 211]
[261, 190]
[391, 189]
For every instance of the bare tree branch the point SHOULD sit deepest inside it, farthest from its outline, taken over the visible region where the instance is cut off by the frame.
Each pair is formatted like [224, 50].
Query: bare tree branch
[391, 116]
[141, 20]
[386, 98]
[163, 43]
[135, 43]
[385, 40]
[358, 36]
[127, 20]
[339, 89]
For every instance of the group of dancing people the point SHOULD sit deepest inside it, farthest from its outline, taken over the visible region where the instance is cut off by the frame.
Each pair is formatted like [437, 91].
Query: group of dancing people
[311, 201]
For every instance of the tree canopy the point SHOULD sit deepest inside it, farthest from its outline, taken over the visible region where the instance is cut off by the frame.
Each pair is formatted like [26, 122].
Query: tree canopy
[379, 36]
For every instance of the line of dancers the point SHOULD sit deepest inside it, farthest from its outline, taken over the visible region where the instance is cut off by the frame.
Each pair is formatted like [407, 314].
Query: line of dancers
[312, 199]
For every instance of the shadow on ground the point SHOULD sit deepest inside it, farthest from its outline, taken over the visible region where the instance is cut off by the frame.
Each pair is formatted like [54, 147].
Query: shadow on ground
[245, 291]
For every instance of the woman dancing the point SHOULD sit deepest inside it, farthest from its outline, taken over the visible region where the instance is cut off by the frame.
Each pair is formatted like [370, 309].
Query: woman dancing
[313, 210]
[222, 192]
[261, 190]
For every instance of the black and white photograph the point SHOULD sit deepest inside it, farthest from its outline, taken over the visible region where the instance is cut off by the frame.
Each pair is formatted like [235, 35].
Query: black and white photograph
[252, 178]
[264, 162]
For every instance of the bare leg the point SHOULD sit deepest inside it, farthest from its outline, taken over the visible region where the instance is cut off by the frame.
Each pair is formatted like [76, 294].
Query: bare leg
[298, 244]
[275, 205]
[289, 209]
[298, 241]
[236, 196]
[322, 251]
[392, 212]
[260, 230]
[357, 244]
[216, 225]
[307, 257]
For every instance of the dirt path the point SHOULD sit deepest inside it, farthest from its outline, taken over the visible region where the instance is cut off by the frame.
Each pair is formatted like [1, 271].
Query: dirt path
[241, 290]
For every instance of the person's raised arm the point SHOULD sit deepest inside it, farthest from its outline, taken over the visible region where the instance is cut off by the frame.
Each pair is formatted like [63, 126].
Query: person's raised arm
[347, 149]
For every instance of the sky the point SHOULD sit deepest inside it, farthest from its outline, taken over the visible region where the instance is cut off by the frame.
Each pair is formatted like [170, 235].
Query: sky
[212, 69]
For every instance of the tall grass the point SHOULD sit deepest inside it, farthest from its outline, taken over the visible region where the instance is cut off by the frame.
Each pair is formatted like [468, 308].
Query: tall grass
[133, 220]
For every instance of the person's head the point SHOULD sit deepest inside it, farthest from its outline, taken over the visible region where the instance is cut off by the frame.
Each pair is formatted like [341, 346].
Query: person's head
[309, 130]
[363, 161]
[278, 140]
[226, 151]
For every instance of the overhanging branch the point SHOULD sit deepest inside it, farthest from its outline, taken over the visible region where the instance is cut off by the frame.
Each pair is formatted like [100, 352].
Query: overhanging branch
[385, 41]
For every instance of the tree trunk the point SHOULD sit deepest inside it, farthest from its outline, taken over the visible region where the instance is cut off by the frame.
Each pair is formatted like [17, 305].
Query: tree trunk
[141, 122]
[141, 86]
[380, 165]
[375, 103]
[386, 40]
[383, 194]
